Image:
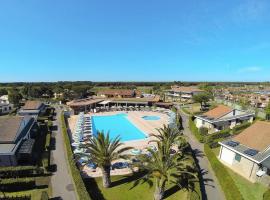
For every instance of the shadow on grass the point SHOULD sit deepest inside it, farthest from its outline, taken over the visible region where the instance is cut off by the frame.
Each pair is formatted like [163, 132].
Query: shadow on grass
[171, 191]
[128, 179]
[93, 189]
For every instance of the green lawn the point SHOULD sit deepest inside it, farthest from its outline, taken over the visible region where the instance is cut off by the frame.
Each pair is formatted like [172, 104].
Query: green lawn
[250, 191]
[123, 189]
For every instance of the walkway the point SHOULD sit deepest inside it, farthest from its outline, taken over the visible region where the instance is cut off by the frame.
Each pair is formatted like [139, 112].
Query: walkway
[212, 188]
[62, 184]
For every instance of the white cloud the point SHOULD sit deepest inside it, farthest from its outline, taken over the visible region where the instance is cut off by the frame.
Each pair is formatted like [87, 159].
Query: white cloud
[250, 69]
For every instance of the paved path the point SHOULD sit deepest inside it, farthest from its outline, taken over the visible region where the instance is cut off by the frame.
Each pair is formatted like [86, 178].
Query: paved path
[62, 184]
[211, 186]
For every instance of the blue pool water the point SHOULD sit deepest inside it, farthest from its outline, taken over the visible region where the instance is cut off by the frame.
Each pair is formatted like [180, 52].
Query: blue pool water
[151, 117]
[117, 125]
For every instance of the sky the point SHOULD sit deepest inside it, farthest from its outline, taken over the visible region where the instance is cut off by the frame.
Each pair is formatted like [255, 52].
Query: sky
[134, 40]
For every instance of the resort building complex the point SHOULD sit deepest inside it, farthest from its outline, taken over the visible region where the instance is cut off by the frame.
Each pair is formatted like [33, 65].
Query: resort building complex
[222, 117]
[249, 152]
[180, 93]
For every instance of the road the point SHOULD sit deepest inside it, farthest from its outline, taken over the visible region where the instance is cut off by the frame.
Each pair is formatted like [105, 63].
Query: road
[211, 189]
[62, 183]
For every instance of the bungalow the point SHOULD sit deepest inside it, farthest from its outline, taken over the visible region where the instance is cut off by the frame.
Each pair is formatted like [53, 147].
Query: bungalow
[15, 139]
[119, 93]
[178, 93]
[222, 117]
[32, 108]
[248, 153]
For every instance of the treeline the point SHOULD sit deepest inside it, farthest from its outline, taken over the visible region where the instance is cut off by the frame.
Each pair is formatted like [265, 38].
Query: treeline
[123, 84]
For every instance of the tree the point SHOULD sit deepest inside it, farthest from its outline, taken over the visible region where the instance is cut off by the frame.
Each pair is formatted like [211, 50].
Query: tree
[103, 151]
[267, 112]
[164, 167]
[168, 136]
[202, 98]
[14, 96]
[3, 91]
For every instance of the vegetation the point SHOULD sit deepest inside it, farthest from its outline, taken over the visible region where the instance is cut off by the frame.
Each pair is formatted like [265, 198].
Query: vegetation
[162, 167]
[103, 151]
[266, 195]
[124, 189]
[249, 190]
[202, 98]
[194, 130]
[80, 187]
[267, 112]
[231, 191]
[239, 128]
[15, 96]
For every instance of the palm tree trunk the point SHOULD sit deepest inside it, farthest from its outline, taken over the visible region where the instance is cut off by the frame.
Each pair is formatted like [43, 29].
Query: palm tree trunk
[106, 176]
[159, 193]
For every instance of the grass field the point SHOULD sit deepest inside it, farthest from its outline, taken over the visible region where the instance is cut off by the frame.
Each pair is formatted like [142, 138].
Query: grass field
[250, 191]
[123, 189]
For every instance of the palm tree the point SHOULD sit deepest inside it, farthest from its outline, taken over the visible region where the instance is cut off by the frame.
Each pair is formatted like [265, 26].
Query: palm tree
[103, 151]
[168, 137]
[164, 168]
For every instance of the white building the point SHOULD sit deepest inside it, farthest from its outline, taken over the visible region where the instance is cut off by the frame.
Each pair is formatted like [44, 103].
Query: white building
[5, 106]
[177, 93]
[248, 153]
[222, 117]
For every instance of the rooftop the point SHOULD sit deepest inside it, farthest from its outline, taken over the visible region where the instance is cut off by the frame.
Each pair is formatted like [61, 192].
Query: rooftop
[218, 112]
[186, 89]
[9, 127]
[32, 105]
[257, 136]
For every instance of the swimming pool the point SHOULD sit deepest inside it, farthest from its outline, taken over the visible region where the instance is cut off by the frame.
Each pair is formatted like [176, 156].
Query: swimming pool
[117, 125]
[151, 117]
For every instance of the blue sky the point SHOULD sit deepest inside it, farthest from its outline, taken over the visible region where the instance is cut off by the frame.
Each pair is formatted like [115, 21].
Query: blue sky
[127, 40]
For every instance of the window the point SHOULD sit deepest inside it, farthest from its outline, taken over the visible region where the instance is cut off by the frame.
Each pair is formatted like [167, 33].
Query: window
[237, 157]
[203, 122]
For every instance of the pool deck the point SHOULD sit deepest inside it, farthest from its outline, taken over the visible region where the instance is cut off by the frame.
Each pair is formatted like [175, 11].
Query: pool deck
[146, 126]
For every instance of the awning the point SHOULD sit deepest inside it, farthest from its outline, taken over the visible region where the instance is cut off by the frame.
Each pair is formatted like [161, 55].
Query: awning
[104, 102]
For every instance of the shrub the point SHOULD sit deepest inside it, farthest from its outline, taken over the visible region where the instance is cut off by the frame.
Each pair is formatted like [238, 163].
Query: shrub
[203, 131]
[195, 131]
[237, 129]
[218, 135]
[213, 144]
[266, 195]
[17, 184]
[227, 183]
[80, 187]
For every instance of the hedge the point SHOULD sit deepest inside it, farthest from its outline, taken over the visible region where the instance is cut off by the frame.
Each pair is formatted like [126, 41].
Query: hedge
[237, 129]
[227, 183]
[20, 172]
[195, 131]
[218, 135]
[77, 179]
[17, 184]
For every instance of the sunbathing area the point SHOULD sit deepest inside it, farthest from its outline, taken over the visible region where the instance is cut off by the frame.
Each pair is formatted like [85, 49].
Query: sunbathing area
[134, 128]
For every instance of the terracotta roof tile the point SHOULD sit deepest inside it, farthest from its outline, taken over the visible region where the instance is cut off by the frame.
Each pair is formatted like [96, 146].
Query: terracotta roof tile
[218, 112]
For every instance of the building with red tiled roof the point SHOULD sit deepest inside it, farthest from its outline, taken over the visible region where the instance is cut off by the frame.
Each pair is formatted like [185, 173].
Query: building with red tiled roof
[222, 117]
